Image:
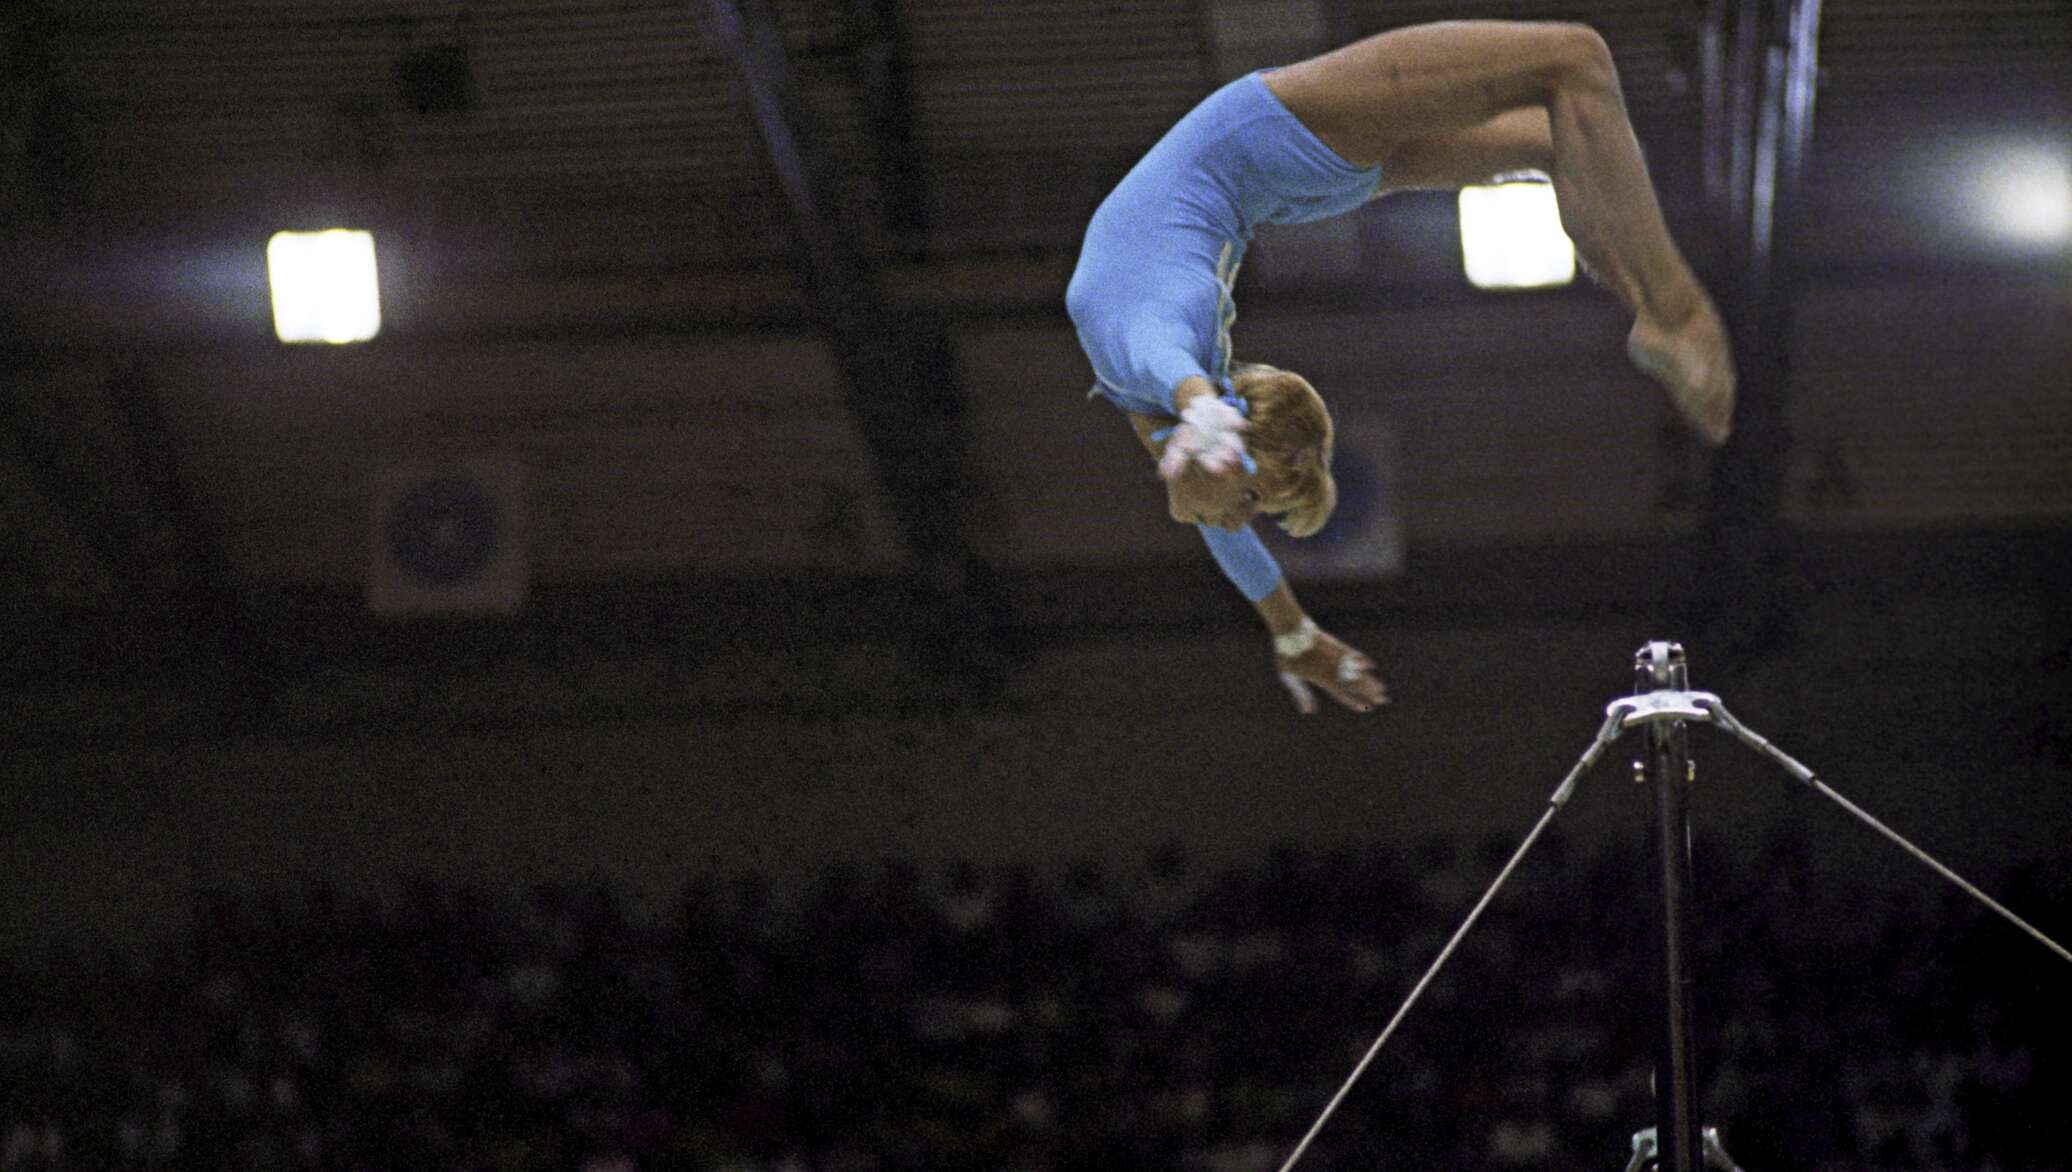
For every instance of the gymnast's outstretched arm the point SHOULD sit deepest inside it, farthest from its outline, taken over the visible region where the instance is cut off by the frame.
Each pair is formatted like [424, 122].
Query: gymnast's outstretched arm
[1222, 508]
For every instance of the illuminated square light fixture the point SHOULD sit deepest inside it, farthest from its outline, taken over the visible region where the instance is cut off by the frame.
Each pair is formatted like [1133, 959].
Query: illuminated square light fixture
[1511, 237]
[325, 288]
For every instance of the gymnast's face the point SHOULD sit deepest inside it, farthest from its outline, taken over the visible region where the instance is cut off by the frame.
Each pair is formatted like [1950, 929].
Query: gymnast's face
[1226, 500]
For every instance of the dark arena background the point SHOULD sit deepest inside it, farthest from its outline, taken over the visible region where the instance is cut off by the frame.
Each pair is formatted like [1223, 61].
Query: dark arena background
[702, 688]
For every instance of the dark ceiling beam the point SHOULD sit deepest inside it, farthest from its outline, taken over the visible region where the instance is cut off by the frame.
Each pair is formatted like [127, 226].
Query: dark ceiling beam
[115, 488]
[1760, 62]
[898, 366]
[886, 81]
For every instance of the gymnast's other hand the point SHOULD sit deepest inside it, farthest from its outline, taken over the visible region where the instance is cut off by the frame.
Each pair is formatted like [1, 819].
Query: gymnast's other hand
[1342, 671]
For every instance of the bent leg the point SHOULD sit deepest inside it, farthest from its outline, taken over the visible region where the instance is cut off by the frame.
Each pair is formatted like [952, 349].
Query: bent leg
[1432, 79]
[1408, 97]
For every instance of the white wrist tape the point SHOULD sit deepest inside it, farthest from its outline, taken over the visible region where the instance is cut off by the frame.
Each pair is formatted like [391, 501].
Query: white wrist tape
[1208, 434]
[1297, 641]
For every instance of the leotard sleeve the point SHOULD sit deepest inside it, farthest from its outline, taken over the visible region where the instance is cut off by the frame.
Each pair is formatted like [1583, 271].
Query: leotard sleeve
[1140, 351]
[1243, 559]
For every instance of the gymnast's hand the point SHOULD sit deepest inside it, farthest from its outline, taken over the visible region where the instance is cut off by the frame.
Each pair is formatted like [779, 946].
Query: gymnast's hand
[1342, 671]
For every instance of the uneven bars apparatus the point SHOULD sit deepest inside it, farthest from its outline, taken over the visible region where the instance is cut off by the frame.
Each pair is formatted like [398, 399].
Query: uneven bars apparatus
[1662, 701]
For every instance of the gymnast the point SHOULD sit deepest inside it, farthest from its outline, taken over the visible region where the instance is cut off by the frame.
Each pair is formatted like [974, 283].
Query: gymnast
[1428, 106]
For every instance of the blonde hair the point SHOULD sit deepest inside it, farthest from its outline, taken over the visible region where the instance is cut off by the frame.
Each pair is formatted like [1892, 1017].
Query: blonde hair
[1290, 437]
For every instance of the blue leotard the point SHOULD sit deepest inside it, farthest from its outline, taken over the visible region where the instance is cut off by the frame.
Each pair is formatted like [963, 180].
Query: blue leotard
[1151, 297]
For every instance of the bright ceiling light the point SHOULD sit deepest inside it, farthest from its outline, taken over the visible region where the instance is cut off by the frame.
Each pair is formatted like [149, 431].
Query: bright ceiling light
[1511, 237]
[2023, 194]
[325, 286]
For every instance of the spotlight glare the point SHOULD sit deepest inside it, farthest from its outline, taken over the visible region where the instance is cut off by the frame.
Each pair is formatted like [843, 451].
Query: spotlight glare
[2024, 195]
[325, 286]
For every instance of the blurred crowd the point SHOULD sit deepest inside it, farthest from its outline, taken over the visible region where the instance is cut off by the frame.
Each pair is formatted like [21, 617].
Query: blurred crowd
[949, 1017]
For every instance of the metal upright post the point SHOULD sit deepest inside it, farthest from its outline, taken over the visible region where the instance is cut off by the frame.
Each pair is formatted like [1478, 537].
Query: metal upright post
[898, 361]
[1666, 766]
[1759, 62]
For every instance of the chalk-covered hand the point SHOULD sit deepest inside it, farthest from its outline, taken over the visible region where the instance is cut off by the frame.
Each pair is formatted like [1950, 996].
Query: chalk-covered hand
[1342, 671]
[1209, 433]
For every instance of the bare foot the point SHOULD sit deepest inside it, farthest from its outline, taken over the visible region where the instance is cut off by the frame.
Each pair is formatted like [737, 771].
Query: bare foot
[1693, 364]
